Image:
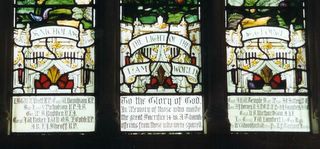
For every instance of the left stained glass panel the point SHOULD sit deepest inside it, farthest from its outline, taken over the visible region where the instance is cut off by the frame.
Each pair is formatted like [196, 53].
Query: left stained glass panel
[53, 50]
[53, 55]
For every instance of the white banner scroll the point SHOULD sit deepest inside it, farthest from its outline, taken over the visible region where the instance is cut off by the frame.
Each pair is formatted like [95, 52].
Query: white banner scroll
[190, 71]
[23, 37]
[131, 71]
[160, 38]
[55, 31]
[180, 42]
[265, 32]
[147, 39]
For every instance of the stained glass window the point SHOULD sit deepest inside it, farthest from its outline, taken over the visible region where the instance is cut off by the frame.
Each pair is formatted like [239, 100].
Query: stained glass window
[53, 66]
[160, 65]
[267, 65]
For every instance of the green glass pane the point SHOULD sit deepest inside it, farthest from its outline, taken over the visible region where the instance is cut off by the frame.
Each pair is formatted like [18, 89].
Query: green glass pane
[59, 2]
[38, 16]
[22, 18]
[148, 19]
[234, 19]
[60, 11]
[86, 24]
[250, 2]
[24, 10]
[192, 18]
[23, 14]
[175, 18]
[235, 2]
[268, 2]
[25, 2]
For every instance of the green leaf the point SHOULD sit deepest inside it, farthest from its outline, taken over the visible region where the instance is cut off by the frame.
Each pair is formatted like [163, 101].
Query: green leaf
[87, 14]
[25, 18]
[268, 2]
[77, 16]
[191, 18]
[25, 10]
[234, 20]
[298, 27]
[86, 24]
[53, 17]
[59, 2]
[250, 2]
[281, 21]
[235, 2]
[25, 2]
[148, 19]
[293, 20]
[185, 8]
[77, 13]
[175, 18]
[60, 11]
[77, 10]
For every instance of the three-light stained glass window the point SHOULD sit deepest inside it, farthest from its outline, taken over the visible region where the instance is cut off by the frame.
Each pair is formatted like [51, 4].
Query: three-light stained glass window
[160, 66]
[53, 66]
[267, 65]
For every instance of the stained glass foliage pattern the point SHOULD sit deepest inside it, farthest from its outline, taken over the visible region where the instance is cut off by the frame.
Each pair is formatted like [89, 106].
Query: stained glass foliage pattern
[54, 2]
[160, 46]
[266, 46]
[265, 3]
[54, 47]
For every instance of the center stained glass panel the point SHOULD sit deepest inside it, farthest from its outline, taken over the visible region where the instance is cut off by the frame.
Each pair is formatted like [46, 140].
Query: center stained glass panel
[160, 62]
[160, 47]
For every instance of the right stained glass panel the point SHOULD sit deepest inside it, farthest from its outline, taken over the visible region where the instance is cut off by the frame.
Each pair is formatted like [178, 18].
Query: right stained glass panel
[267, 65]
